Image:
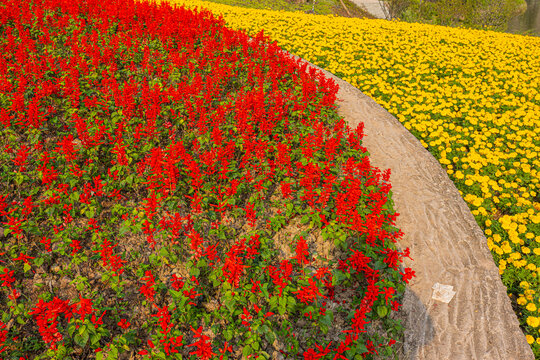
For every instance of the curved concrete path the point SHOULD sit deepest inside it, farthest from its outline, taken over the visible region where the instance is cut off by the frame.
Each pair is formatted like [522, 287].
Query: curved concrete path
[372, 6]
[446, 243]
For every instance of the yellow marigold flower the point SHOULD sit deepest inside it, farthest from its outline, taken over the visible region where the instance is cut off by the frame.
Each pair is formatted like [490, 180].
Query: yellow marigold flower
[521, 301]
[533, 321]
[531, 307]
[530, 339]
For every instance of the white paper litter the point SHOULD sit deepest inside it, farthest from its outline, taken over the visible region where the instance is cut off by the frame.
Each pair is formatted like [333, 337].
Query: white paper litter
[443, 293]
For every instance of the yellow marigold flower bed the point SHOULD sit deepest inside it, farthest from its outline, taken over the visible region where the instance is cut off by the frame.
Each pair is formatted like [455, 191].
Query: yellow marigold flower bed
[472, 98]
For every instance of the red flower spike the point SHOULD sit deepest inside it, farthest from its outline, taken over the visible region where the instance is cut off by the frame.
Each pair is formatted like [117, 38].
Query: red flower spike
[204, 349]
[301, 252]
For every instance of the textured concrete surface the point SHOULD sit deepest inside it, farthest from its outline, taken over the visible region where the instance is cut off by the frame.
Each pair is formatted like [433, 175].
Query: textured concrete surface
[372, 6]
[447, 246]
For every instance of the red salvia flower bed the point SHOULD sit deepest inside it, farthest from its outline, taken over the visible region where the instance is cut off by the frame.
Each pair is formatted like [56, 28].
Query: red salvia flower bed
[170, 188]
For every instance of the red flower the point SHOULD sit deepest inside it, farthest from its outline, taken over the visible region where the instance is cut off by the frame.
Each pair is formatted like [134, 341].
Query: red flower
[177, 282]
[65, 146]
[164, 318]
[226, 347]
[124, 324]
[204, 349]
[234, 264]
[20, 159]
[388, 293]
[147, 289]
[3, 337]
[75, 245]
[85, 307]
[301, 252]
[46, 315]
[408, 274]
[286, 190]
[98, 321]
[28, 205]
[308, 293]
[47, 243]
[358, 321]
[24, 258]
[7, 278]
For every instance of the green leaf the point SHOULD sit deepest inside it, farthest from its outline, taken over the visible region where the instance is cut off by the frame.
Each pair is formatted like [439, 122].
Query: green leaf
[291, 302]
[270, 336]
[26, 267]
[82, 329]
[229, 303]
[124, 229]
[61, 352]
[38, 261]
[228, 334]
[201, 263]
[247, 350]
[324, 329]
[382, 311]
[113, 353]
[273, 302]
[81, 340]
[282, 305]
[361, 348]
[94, 339]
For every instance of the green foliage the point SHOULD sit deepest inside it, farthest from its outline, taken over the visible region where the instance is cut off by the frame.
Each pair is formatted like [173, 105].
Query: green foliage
[492, 14]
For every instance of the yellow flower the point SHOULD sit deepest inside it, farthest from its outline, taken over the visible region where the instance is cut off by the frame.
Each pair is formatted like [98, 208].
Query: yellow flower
[531, 307]
[533, 321]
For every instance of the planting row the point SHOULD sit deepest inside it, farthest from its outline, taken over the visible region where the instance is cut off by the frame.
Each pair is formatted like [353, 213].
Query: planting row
[471, 97]
[171, 188]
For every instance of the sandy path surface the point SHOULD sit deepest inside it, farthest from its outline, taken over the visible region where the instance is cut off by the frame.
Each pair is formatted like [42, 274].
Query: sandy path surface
[447, 245]
[372, 6]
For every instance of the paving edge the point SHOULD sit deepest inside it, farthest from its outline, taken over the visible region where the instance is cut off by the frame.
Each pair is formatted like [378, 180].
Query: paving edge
[447, 247]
